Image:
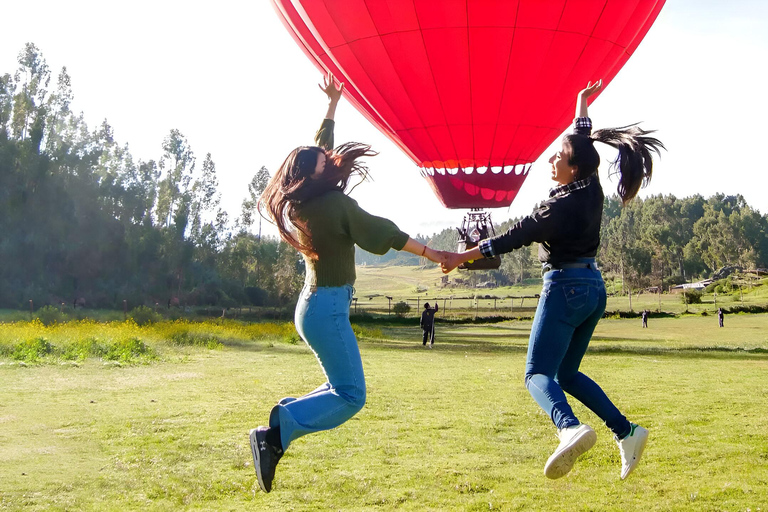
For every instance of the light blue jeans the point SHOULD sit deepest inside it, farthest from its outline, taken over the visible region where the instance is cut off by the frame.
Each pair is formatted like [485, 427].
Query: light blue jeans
[572, 302]
[322, 319]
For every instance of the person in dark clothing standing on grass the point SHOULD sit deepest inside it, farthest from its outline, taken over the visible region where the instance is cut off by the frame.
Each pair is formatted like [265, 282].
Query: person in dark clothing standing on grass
[567, 225]
[306, 199]
[720, 316]
[427, 324]
[645, 318]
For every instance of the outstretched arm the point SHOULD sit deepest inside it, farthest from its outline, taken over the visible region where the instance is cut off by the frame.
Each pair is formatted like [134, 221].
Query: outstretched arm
[581, 99]
[334, 94]
[419, 249]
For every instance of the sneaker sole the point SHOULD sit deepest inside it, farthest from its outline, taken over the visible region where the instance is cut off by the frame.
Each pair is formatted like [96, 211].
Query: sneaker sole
[561, 463]
[637, 457]
[256, 459]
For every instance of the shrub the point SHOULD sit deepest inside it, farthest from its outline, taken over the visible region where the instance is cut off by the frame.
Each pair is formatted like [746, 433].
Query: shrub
[691, 297]
[143, 315]
[32, 349]
[713, 287]
[401, 308]
[127, 349]
[49, 315]
[82, 348]
[293, 338]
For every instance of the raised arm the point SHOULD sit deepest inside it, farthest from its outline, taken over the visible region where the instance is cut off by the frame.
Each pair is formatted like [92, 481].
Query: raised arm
[581, 99]
[334, 94]
[324, 136]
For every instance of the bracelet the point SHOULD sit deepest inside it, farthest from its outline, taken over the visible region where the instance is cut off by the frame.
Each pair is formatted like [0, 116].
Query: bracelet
[424, 251]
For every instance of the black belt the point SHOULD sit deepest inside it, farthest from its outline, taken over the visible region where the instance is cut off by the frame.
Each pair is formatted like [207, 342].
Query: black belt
[548, 267]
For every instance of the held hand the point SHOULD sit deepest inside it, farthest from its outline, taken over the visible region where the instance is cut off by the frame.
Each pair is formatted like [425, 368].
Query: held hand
[329, 88]
[592, 88]
[435, 256]
[452, 261]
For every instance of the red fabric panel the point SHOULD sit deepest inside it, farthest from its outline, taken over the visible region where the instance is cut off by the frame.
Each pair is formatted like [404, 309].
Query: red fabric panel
[474, 190]
[469, 83]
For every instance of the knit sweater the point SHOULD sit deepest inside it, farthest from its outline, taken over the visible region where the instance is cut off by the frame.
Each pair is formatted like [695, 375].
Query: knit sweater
[337, 223]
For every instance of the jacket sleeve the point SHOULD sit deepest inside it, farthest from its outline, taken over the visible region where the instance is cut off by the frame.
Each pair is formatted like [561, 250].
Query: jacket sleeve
[540, 226]
[371, 233]
[582, 126]
[324, 136]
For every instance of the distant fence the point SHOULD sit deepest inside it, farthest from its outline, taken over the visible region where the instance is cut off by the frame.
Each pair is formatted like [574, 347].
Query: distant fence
[382, 304]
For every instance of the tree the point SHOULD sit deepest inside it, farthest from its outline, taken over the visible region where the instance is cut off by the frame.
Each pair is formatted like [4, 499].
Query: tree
[256, 187]
[33, 76]
[178, 164]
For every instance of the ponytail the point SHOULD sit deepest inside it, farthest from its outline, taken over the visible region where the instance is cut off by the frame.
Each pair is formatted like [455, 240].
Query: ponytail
[633, 164]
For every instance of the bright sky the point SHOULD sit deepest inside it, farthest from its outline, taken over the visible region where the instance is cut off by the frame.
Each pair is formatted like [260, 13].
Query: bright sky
[231, 79]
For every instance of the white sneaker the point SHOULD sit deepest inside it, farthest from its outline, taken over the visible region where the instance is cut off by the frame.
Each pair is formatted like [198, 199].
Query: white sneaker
[573, 442]
[631, 448]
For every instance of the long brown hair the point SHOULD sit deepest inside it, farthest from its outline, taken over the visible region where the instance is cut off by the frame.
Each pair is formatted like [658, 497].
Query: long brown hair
[293, 185]
[633, 164]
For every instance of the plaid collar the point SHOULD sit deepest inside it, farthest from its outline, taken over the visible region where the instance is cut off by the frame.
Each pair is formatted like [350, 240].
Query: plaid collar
[570, 187]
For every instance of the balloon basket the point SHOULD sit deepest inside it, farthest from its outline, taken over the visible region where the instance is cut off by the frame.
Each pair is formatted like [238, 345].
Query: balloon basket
[476, 226]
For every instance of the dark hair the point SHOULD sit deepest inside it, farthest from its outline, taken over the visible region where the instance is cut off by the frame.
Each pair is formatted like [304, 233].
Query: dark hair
[633, 164]
[426, 305]
[293, 185]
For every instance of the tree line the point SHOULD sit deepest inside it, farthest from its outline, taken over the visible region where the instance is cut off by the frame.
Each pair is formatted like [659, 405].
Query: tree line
[658, 241]
[81, 218]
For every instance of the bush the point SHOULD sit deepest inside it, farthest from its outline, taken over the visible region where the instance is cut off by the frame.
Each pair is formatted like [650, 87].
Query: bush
[82, 348]
[32, 349]
[714, 286]
[293, 338]
[127, 349]
[401, 308]
[49, 315]
[691, 297]
[143, 315]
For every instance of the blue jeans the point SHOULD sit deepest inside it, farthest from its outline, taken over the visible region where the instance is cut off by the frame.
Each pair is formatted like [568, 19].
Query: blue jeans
[572, 302]
[322, 319]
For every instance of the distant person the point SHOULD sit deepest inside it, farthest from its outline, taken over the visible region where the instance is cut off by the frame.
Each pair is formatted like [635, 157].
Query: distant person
[306, 199]
[645, 318]
[573, 298]
[427, 324]
[720, 316]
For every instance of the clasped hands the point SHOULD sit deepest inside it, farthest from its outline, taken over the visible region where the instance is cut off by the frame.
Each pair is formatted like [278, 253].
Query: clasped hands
[446, 259]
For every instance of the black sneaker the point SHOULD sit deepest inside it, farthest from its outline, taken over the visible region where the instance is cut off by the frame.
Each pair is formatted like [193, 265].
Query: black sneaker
[265, 457]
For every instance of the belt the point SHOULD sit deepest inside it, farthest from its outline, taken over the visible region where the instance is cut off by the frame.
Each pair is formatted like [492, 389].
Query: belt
[548, 267]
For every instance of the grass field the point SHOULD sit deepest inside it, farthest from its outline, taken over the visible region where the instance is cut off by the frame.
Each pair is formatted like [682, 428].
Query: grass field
[451, 428]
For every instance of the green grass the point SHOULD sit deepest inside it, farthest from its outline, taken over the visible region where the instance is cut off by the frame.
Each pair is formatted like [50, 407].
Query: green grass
[446, 429]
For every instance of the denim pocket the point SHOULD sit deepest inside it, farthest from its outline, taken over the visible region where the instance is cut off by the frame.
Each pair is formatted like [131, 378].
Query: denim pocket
[576, 296]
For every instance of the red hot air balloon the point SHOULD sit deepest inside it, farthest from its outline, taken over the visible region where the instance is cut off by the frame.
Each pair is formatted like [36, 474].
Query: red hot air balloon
[473, 91]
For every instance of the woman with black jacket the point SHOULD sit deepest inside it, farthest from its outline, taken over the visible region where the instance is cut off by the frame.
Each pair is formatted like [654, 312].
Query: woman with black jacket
[573, 298]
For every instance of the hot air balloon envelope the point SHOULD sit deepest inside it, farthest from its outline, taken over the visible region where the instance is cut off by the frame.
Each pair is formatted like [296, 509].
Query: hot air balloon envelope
[473, 91]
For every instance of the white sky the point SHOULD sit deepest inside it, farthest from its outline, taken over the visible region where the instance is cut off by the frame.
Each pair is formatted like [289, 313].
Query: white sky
[231, 79]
